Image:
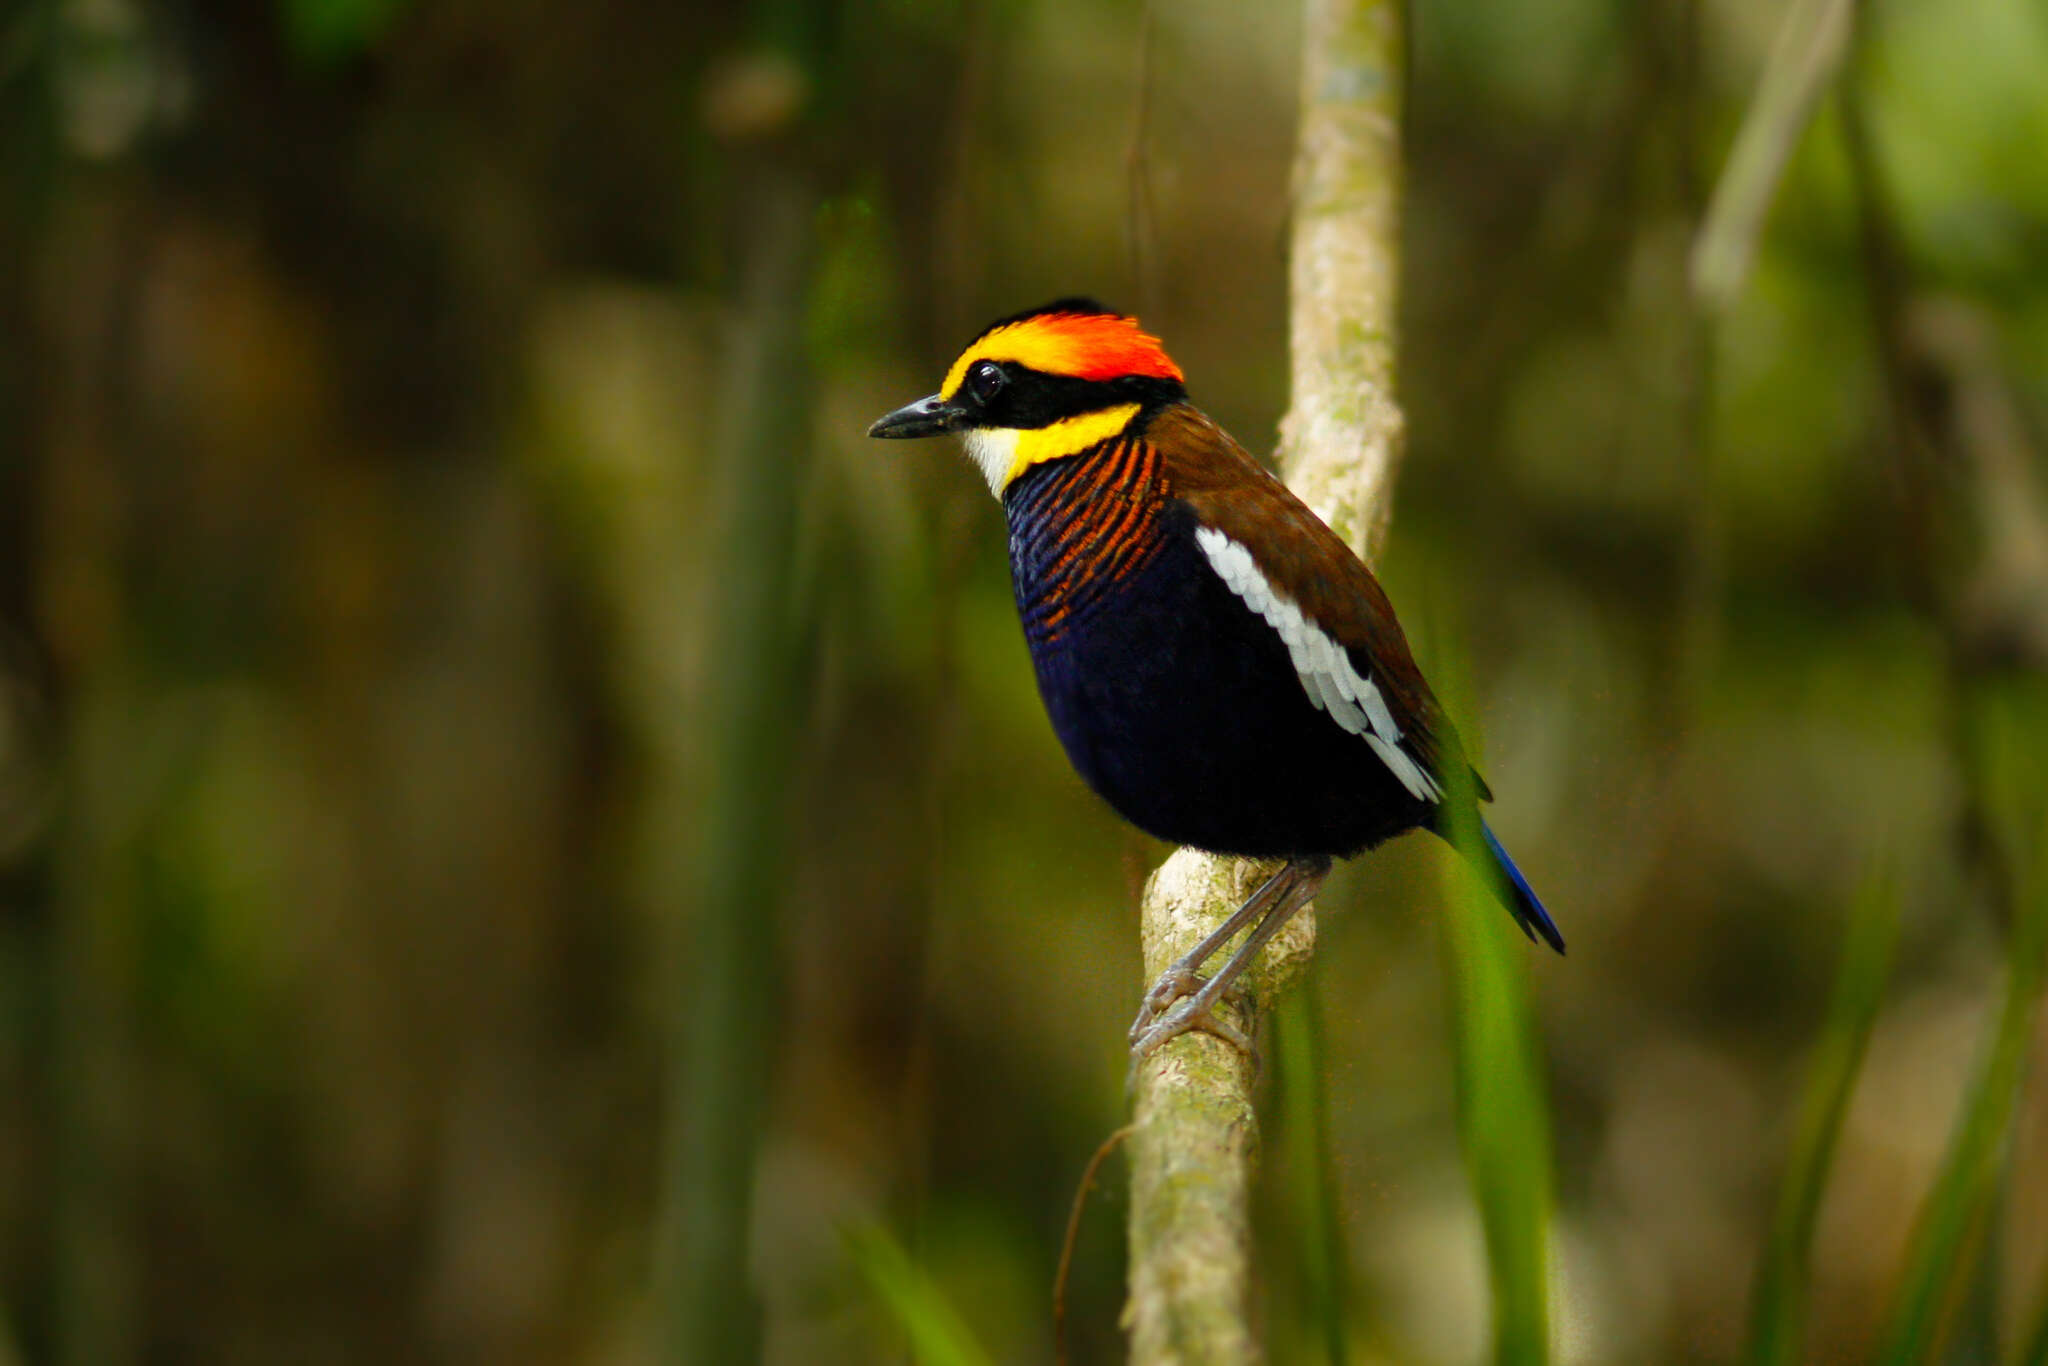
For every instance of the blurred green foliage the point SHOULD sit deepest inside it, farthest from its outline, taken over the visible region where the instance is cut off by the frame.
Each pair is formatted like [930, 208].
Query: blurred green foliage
[329, 32]
[1502, 1104]
[1948, 1238]
[937, 1336]
[1869, 950]
[367, 475]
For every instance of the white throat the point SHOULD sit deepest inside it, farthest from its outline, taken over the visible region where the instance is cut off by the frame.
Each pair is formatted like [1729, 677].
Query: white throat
[995, 450]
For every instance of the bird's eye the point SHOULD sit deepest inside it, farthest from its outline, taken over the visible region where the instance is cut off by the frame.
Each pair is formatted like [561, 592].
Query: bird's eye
[986, 379]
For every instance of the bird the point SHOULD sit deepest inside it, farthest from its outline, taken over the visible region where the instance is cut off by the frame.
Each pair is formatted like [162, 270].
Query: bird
[1218, 664]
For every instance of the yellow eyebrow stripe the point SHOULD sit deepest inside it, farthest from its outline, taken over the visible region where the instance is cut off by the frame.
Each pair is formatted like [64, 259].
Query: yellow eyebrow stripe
[1088, 346]
[1047, 350]
[1068, 436]
[998, 345]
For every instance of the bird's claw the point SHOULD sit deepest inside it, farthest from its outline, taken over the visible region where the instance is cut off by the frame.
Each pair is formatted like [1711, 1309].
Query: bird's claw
[1171, 986]
[1189, 1015]
[1156, 1023]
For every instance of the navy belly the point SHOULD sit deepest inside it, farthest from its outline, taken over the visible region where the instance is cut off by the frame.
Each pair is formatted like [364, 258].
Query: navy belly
[1181, 707]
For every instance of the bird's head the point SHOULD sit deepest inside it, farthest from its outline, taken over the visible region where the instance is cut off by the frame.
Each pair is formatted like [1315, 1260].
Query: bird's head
[1043, 385]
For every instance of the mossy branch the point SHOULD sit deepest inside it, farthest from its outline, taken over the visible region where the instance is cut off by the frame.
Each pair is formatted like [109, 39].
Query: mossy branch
[1196, 1132]
[1343, 437]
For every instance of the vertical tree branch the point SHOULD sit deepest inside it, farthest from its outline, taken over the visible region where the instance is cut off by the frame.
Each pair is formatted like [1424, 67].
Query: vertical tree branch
[1196, 1132]
[113, 771]
[722, 1051]
[1138, 172]
[1344, 436]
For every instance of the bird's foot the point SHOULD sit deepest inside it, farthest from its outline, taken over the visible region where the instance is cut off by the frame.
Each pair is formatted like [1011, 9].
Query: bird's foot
[1180, 1000]
[1174, 984]
[1278, 898]
[1195, 1012]
[1170, 986]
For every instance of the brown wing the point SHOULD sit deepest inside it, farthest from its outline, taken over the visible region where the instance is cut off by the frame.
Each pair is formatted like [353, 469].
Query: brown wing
[1305, 562]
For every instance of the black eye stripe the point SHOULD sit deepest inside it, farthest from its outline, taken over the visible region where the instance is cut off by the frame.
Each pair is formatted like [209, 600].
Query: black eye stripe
[1024, 398]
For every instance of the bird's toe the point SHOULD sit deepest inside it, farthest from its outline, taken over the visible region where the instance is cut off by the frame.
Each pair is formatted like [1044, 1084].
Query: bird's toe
[1190, 1015]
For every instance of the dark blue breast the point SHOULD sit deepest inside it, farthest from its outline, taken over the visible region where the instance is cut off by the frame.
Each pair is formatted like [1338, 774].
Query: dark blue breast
[1175, 701]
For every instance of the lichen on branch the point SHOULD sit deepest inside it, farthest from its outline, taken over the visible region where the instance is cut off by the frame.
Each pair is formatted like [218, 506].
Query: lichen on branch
[1195, 1142]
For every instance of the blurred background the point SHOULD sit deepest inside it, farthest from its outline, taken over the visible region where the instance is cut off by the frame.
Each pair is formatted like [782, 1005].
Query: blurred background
[481, 727]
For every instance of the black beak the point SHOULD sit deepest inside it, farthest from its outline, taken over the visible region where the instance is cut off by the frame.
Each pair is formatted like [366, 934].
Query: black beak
[926, 417]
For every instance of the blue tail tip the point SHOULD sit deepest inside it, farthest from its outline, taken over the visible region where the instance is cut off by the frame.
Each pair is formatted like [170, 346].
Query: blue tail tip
[1521, 898]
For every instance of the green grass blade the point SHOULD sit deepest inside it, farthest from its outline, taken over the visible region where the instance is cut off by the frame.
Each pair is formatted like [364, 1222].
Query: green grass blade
[2035, 1352]
[2034, 1345]
[1502, 1111]
[938, 1335]
[1312, 1197]
[1944, 1244]
[1869, 946]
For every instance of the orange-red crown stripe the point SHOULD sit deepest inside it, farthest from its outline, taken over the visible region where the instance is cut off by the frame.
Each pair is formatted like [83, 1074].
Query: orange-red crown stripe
[1091, 346]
